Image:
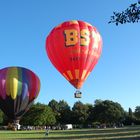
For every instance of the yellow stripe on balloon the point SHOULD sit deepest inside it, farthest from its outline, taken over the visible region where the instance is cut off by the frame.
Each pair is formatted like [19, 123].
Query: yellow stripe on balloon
[87, 75]
[77, 73]
[66, 76]
[73, 22]
[12, 82]
[83, 74]
[70, 74]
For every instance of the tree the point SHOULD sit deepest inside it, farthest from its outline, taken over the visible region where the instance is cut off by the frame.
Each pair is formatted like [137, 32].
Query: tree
[108, 112]
[130, 112]
[1, 116]
[129, 117]
[65, 112]
[90, 114]
[130, 15]
[80, 113]
[55, 107]
[4, 120]
[39, 114]
[98, 101]
[137, 112]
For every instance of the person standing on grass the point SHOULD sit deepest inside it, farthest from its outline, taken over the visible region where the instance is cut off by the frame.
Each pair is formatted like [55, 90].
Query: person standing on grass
[47, 131]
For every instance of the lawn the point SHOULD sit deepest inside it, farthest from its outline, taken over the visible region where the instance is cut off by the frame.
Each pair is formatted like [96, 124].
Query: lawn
[125, 133]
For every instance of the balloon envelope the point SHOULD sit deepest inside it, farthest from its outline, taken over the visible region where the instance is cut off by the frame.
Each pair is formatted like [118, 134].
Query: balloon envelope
[74, 48]
[18, 89]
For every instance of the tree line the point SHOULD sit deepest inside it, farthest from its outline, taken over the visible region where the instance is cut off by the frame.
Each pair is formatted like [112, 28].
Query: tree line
[101, 112]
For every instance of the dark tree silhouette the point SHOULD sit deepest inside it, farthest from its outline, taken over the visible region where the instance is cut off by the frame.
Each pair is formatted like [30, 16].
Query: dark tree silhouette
[130, 15]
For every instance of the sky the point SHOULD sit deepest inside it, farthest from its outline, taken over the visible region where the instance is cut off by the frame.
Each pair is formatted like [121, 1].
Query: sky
[25, 24]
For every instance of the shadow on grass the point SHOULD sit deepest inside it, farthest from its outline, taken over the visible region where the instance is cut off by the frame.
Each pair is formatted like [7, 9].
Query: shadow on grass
[77, 138]
[91, 131]
[131, 136]
[127, 133]
[25, 133]
[76, 132]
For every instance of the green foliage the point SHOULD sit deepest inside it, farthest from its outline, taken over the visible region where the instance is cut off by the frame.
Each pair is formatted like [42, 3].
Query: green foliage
[63, 105]
[101, 112]
[39, 114]
[1, 117]
[65, 112]
[80, 113]
[54, 105]
[108, 112]
[129, 118]
[137, 112]
[4, 120]
[130, 112]
[61, 110]
[130, 15]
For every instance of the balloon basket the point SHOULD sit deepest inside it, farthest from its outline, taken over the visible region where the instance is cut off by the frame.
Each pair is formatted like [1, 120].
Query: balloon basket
[78, 94]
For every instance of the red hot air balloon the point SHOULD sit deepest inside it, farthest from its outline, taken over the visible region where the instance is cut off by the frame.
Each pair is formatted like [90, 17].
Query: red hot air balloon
[74, 48]
[18, 89]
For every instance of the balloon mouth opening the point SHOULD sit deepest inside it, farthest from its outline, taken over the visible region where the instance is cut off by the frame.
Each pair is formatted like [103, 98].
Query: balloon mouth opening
[76, 83]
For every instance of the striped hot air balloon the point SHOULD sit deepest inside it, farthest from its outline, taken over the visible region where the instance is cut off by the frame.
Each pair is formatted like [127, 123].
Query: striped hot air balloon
[18, 89]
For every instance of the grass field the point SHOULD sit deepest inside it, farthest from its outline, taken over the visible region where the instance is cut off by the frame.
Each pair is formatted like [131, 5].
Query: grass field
[125, 133]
